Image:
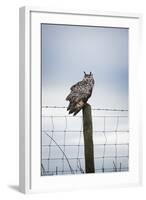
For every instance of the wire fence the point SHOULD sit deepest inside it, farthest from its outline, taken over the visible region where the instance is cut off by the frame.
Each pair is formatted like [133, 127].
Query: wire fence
[62, 144]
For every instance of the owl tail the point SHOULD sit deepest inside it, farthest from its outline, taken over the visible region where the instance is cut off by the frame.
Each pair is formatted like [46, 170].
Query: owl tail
[79, 106]
[75, 107]
[77, 111]
[71, 108]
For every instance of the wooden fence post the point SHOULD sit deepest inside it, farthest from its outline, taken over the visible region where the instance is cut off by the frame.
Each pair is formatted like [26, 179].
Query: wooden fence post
[88, 139]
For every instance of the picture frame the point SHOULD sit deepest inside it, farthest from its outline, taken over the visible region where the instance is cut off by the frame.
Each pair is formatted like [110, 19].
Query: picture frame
[30, 179]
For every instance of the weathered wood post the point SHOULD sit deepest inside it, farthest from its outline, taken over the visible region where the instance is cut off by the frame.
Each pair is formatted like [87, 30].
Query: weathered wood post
[88, 139]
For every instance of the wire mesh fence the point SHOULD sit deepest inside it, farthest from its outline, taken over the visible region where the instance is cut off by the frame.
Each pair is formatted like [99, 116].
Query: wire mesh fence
[62, 144]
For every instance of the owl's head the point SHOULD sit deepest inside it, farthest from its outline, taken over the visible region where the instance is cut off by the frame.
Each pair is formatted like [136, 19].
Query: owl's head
[88, 77]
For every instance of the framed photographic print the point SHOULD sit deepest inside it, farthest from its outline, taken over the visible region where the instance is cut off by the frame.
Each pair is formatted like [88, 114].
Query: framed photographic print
[79, 105]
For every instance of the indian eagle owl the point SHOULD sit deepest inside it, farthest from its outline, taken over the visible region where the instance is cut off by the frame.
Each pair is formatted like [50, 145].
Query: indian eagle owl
[80, 93]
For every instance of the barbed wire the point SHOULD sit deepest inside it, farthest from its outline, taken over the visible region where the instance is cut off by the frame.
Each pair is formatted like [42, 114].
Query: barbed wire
[99, 109]
[63, 148]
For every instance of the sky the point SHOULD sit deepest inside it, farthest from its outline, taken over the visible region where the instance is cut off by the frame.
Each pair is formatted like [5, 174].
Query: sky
[68, 51]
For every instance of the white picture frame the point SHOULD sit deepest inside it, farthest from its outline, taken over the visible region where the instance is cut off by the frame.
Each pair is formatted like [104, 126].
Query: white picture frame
[29, 160]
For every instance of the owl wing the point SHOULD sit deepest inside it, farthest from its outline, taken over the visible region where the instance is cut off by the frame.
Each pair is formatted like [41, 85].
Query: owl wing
[77, 87]
[80, 92]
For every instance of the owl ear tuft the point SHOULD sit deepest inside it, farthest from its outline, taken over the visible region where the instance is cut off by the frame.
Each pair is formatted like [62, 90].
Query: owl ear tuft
[90, 73]
[85, 73]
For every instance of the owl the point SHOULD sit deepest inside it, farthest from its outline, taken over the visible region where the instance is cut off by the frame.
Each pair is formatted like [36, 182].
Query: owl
[80, 93]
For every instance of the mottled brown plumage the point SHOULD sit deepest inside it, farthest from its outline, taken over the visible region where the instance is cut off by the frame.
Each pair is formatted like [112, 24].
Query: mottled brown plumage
[80, 93]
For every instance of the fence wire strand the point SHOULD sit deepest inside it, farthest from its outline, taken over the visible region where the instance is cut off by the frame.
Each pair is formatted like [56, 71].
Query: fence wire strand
[68, 158]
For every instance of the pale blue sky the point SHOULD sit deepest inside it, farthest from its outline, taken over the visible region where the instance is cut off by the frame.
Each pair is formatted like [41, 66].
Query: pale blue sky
[67, 51]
